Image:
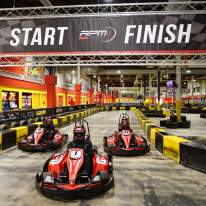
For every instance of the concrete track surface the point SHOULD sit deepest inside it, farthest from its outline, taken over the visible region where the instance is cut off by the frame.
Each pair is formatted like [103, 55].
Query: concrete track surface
[150, 180]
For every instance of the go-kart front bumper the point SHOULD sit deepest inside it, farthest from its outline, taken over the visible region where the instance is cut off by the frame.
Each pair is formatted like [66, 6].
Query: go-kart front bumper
[54, 192]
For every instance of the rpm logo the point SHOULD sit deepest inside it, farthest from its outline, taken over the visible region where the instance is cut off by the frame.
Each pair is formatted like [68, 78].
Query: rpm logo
[105, 35]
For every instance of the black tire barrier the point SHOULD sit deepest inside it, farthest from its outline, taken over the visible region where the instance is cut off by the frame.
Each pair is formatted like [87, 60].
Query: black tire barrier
[69, 119]
[4, 127]
[8, 139]
[127, 107]
[60, 124]
[23, 123]
[174, 118]
[15, 124]
[38, 119]
[193, 155]
[149, 131]
[203, 115]
[30, 121]
[174, 125]
[171, 125]
[159, 141]
[185, 124]
[194, 110]
[117, 107]
[155, 114]
[163, 123]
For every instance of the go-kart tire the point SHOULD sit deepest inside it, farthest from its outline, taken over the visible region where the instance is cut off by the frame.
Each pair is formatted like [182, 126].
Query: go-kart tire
[23, 122]
[163, 123]
[4, 127]
[172, 125]
[15, 124]
[45, 167]
[185, 124]
[105, 141]
[173, 118]
[64, 140]
[37, 119]
[30, 121]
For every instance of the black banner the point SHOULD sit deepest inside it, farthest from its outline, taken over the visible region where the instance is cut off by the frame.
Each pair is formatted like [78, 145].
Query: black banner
[91, 35]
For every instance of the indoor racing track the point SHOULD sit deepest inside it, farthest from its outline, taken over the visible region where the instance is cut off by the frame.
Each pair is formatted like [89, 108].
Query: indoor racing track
[150, 180]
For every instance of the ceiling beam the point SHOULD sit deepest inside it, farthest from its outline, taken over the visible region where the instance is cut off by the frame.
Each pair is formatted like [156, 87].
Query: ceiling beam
[46, 2]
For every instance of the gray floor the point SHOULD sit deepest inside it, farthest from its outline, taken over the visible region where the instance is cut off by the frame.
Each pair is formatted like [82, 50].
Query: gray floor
[151, 180]
[198, 126]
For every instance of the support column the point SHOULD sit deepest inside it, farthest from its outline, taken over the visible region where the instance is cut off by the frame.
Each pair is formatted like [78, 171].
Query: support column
[106, 93]
[78, 74]
[158, 90]
[98, 84]
[1, 101]
[145, 88]
[51, 81]
[78, 87]
[20, 100]
[150, 88]
[192, 89]
[178, 92]
[78, 94]
[91, 94]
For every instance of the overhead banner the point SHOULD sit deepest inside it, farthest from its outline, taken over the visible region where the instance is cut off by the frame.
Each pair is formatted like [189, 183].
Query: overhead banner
[115, 34]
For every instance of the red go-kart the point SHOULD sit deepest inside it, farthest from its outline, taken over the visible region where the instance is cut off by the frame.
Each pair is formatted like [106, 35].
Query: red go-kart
[125, 142]
[63, 176]
[40, 140]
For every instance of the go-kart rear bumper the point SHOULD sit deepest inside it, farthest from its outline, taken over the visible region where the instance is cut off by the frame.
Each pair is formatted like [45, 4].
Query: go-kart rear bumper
[63, 194]
[36, 148]
[122, 152]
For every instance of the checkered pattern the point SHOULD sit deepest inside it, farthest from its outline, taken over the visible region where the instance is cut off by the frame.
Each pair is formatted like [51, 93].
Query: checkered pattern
[198, 32]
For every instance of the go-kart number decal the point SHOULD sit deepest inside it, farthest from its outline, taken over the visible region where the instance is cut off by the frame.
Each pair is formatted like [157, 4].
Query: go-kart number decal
[101, 161]
[125, 132]
[75, 154]
[57, 160]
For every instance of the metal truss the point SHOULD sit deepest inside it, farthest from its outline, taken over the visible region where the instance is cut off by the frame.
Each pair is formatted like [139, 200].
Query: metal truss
[108, 9]
[110, 60]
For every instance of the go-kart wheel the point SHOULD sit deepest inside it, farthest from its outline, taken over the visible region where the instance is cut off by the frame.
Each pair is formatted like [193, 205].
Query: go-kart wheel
[23, 122]
[45, 167]
[15, 124]
[105, 141]
[103, 176]
[4, 127]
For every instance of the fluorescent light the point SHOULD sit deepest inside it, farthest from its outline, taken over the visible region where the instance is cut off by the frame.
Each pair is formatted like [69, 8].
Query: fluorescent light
[118, 72]
[188, 71]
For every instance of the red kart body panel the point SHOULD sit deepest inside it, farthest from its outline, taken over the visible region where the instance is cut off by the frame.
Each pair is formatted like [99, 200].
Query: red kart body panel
[75, 161]
[38, 134]
[126, 137]
[75, 173]
[133, 144]
[35, 141]
[74, 158]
